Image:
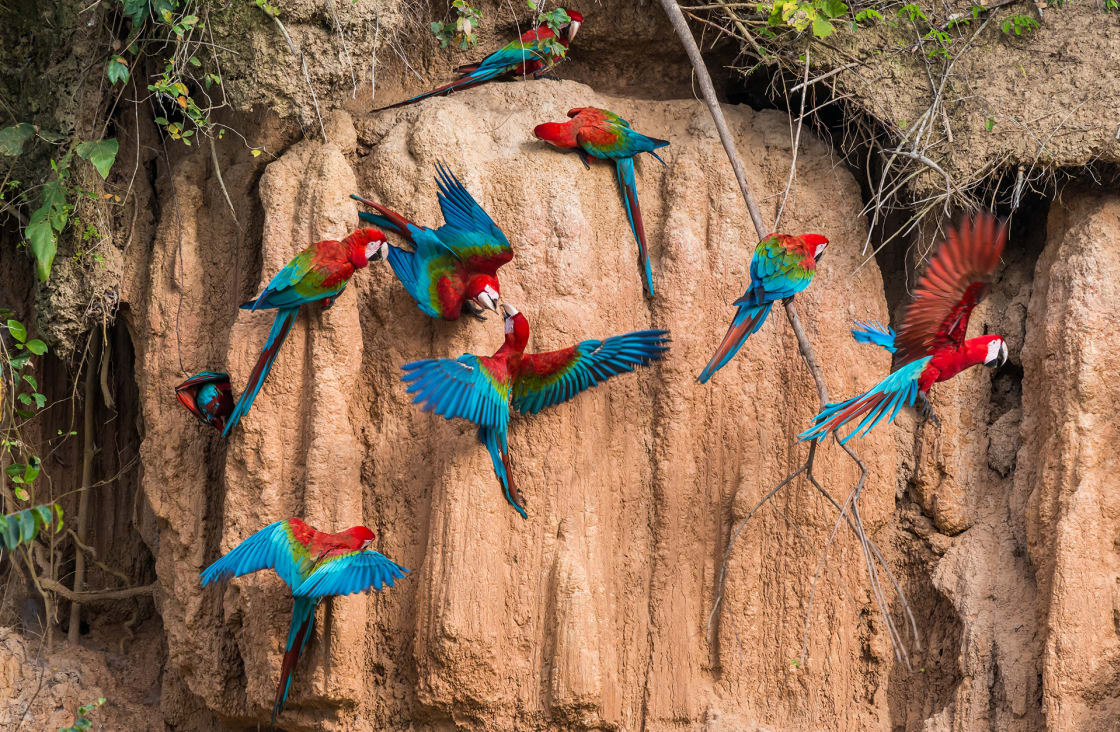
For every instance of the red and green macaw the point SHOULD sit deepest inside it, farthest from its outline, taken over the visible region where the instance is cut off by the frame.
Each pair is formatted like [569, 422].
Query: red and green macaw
[314, 565]
[481, 389]
[452, 268]
[209, 396]
[534, 53]
[781, 267]
[317, 274]
[602, 134]
[931, 344]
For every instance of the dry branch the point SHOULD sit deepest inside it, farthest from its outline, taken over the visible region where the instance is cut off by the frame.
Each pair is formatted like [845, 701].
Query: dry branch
[872, 555]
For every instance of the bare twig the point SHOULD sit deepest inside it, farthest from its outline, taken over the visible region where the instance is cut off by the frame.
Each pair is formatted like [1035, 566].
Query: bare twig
[796, 147]
[95, 595]
[83, 498]
[222, 184]
[680, 25]
[314, 99]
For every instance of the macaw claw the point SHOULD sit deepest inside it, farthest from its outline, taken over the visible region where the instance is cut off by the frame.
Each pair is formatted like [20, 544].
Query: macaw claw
[925, 409]
[473, 308]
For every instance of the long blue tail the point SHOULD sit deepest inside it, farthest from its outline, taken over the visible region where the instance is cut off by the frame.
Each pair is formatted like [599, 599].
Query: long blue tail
[627, 186]
[882, 400]
[495, 441]
[747, 321]
[281, 326]
[303, 620]
[474, 78]
[379, 220]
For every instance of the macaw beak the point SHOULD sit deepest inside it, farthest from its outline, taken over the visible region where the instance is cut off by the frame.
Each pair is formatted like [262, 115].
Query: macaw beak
[381, 253]
[486, 301]
[999, 359]
[509, 310]
[573, 28]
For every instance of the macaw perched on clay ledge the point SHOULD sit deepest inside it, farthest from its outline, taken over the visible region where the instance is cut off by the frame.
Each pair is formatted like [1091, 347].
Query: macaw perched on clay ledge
[481, 389]
[452, 268]
[604, 135]
[317, 274]
[931, 344]
[781, 267]
[208, 396]
[314, 565]
[530, 55]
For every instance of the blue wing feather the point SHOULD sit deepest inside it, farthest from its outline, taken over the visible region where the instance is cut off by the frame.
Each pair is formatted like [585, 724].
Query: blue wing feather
[269, 548]
[351, 573]
[876, 333]
[458, 388]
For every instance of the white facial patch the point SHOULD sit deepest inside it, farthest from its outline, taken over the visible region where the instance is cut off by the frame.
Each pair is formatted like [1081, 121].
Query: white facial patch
[820, 248]
[995, 348]
[509, 325]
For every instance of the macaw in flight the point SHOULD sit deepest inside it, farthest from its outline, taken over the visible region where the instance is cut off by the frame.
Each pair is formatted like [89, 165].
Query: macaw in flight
[481, 389]
[598, 133]
[317, 274]
[209, 396]
[452, 268]
[314, 565]
[781, 267]
[931, 344]
[534, 53]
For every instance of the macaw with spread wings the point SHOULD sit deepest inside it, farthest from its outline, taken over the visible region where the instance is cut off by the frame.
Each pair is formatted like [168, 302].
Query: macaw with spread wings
[931, 344]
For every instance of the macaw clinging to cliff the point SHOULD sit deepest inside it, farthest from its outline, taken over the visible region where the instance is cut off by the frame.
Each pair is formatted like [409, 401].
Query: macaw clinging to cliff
[781, 267]
[481, 389]
[930, 345]
[454, 267]
[605, 135]
[209, 396]
[533, 54]
[314, 565]
[317, 274]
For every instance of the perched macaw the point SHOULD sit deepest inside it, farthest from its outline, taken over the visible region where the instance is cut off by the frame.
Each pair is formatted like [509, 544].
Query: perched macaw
[314, 565]
[454, 267]
[931, 345]
[604, 135]
[208, 396]
[317, 274]
[480, 389]
[532, 54]
[781, 267]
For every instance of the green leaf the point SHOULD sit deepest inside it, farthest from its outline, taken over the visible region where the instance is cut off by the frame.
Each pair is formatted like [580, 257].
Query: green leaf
[54, 200]
[834, 8]
[37, 347]
[40, 400]
[18, 331]
[26, 525]
[18, 362]
[21, 493]
[991, 123]
[31, 381]
[12, 138]
[193, 60]
[117, 70]
[137, 10]
[11, 532]
[101, 153]
[40, 236]
[42, 515]
[822, 28]
[25, 398]
[58, 516]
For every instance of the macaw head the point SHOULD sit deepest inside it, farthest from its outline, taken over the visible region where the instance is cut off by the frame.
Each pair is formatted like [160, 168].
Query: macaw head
[560, 134]
[208, 396]
[517, 327]
[994, 350]
[484, 291]
[817, 244]
[358, 537]
[573, 26]
[365, 246]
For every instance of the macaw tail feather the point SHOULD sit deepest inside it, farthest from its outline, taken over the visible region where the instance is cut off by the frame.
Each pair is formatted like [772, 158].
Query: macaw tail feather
[281, 326]
[303, 620]
[882, 400]
[747, 321]
[499, 455]
[627, 186]
[466, 82]
[876, 333]
[405, 264]
[385, 218]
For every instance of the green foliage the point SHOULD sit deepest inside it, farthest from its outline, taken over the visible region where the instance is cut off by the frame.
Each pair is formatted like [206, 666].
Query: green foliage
[554, 19]
[460, 31]
[23, 526]
[1019, 24]
[117, 70]
[1110, 5]
[990, 124]
[817, 15]
[82, 722]
[49, 219]
[24, 467]
[101, 154]
[13, 138]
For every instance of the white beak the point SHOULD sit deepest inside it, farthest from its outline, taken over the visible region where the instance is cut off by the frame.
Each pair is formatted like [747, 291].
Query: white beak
[486, 301]
[573, 28]
[379, 252]
[509, 310]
